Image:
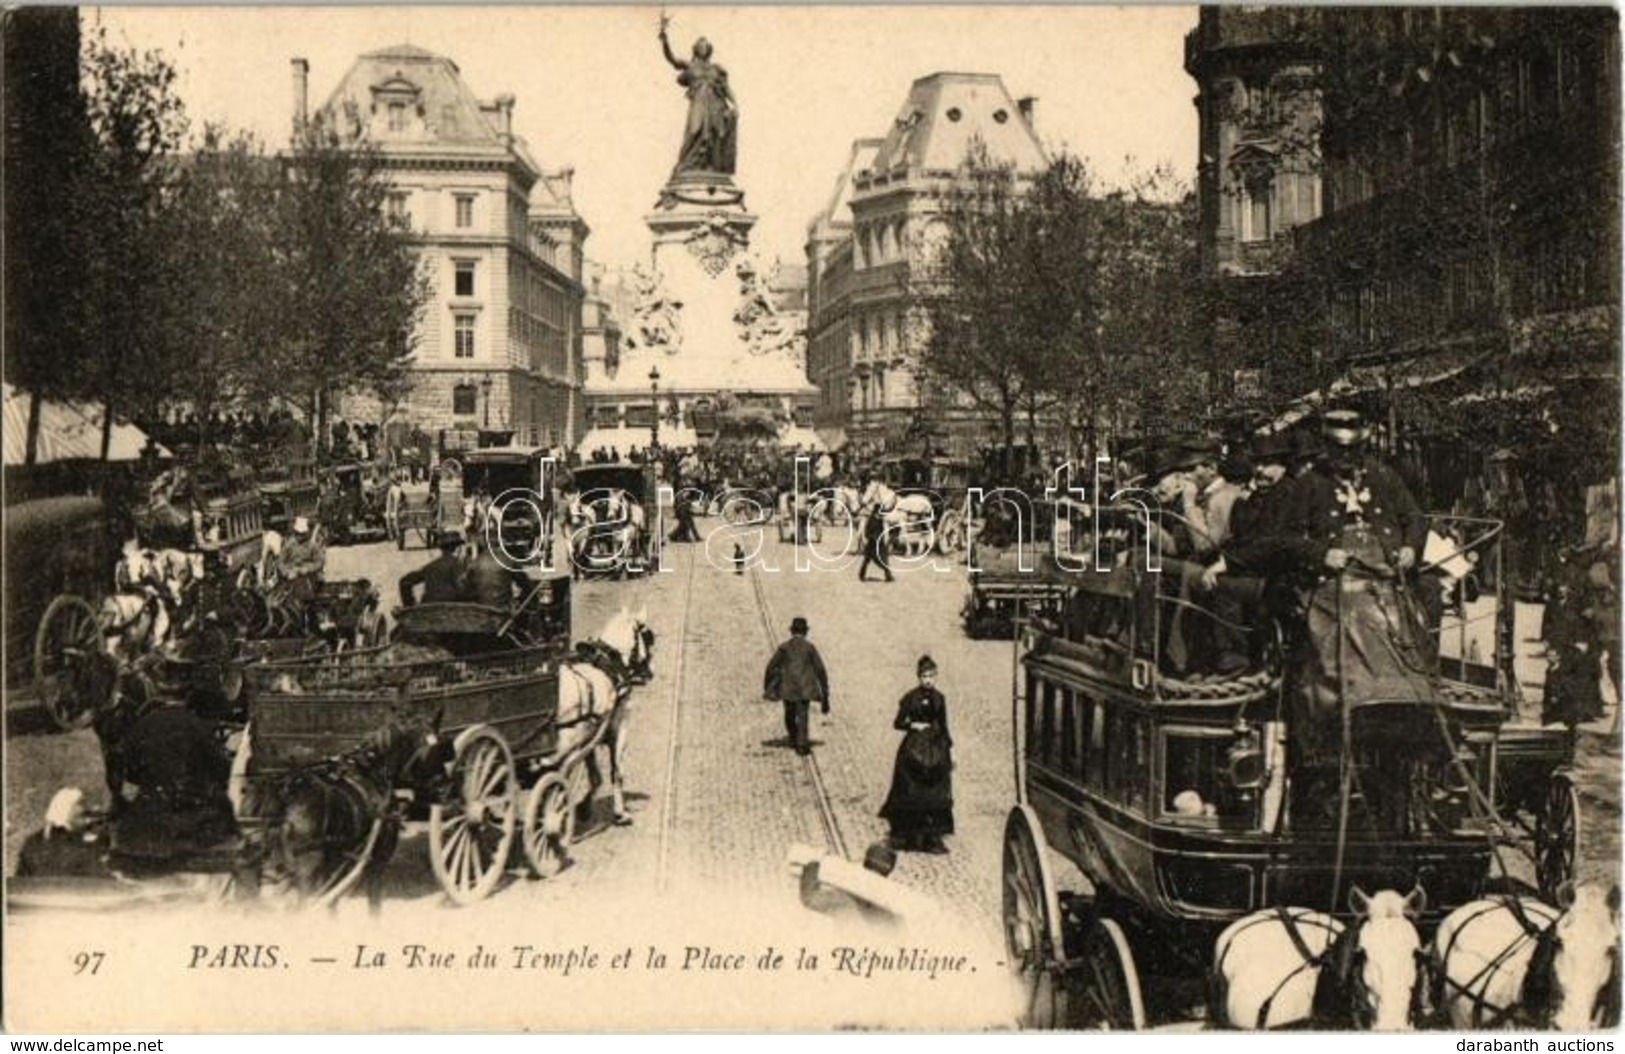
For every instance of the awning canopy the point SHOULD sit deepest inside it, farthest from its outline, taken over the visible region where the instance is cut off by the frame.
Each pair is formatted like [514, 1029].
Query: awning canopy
[68, 432]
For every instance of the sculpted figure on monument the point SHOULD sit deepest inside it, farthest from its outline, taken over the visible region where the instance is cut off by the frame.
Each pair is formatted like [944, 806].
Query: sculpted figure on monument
[710, 136]
[657, 315]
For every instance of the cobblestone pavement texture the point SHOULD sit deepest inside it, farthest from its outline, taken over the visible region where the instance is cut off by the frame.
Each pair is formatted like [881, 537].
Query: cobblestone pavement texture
[739, 798]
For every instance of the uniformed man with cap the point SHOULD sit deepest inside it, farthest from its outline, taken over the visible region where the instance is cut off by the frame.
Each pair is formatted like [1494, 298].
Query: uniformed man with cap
[1361, 532]
[1354, 508]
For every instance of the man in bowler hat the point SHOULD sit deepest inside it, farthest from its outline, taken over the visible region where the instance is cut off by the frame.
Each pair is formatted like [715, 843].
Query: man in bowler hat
[796, 676]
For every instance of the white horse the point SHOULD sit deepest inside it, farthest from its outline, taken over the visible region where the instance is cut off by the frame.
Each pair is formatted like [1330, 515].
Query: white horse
[132, 624]
[1292, 966]
[907, 518]
[1517, 962]
[842, 504]
[612, 522]
[269, 570]
[591, 693]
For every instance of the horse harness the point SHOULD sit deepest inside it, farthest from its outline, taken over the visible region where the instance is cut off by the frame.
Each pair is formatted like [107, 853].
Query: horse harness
[1339, 999]
[1537, 996]
[1309, 960]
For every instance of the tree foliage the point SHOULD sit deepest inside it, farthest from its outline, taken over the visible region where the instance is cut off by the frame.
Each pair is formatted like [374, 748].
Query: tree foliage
[350, 290]
[1052, 300]
[162, 271]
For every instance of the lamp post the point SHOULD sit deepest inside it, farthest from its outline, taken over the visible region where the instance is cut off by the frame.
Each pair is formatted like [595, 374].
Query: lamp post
[654, 400]
[485, 386]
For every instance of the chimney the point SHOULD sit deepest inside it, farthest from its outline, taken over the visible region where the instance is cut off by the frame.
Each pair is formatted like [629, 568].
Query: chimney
[301, 92]
[1025, 105]
[505, 114]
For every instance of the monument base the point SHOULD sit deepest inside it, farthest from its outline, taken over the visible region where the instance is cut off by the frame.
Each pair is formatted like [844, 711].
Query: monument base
[701, 190]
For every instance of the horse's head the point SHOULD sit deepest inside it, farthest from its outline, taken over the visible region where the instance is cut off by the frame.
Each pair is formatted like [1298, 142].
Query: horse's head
[1573, 981]
[1379, 960]
[629, 634]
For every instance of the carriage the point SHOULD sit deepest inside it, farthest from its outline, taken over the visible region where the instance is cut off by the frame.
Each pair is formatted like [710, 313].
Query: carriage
[945, 483]
[1011, 570]
[486, 681]
[352, 506]
[516, 483]
[289, 491]
[1156, 807]
[429, 513]
[621, 504]
[57, 554]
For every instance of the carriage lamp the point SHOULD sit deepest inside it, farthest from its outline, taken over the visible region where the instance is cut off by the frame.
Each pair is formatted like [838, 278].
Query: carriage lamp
[1244, 763]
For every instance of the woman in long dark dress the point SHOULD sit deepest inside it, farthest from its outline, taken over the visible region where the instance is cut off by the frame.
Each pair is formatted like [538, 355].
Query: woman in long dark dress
[920, 807]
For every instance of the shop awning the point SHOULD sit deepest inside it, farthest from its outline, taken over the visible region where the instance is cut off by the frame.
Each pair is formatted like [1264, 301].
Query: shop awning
[67, 432]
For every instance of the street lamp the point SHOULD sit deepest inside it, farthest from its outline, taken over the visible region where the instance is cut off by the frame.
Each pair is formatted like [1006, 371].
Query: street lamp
[485, 385]
[654, 400]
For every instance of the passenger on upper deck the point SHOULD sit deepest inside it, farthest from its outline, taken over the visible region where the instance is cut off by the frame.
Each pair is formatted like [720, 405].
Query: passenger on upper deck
[1251, 577]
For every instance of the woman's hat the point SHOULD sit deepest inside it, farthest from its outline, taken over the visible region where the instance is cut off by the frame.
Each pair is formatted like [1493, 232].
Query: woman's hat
[798, 625]
[924, 666]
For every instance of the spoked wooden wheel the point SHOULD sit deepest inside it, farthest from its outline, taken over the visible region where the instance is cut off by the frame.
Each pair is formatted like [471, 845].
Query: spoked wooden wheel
[1557, 834]
[550, 823]
[1033, 942]
[66, 646]
[471, 835]
[1105, 983]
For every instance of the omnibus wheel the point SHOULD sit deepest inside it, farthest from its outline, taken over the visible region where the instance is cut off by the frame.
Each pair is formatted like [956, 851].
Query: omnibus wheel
[1033, 938]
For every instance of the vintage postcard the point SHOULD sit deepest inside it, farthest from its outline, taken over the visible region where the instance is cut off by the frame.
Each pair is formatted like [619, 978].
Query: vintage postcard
[779, 518]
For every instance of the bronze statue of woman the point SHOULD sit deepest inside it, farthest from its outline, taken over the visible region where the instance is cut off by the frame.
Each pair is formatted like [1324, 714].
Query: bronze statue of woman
[710, 136]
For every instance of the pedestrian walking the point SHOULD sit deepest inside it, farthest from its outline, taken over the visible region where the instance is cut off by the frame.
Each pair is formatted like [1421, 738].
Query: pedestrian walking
[796, 676]
[920, 806]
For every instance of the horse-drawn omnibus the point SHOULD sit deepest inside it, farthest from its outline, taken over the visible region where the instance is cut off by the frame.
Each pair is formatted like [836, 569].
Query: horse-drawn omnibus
[1156, 808]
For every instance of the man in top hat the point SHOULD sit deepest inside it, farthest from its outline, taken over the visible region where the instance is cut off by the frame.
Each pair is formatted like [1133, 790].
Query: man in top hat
[173, 757]
[303, 560]
[796, 676]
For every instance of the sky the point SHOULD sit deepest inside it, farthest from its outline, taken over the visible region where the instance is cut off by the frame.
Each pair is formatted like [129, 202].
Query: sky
[594, 92]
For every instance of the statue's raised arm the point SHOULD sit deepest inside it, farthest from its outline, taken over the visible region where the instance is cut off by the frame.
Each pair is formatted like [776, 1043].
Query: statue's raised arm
[665, 44]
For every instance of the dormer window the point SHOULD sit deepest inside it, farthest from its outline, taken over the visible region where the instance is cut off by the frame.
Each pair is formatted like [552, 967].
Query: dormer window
[398, 100]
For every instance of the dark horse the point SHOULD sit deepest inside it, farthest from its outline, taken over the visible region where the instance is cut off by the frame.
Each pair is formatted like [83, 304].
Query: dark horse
[336, 822]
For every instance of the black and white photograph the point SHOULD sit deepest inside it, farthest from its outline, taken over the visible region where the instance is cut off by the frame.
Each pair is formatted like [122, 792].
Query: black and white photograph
[804, 519]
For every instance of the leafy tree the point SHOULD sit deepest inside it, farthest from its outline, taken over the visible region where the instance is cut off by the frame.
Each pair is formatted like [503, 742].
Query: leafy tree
[218, 269]
[47, 142]
[966, 301]
[348, 288]
[1053, 301]
[137, 125]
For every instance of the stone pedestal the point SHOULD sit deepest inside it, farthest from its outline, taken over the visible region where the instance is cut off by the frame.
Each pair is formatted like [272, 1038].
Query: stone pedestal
[701, 233]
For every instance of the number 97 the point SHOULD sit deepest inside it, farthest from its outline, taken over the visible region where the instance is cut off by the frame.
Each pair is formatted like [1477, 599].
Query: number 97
[88, 962]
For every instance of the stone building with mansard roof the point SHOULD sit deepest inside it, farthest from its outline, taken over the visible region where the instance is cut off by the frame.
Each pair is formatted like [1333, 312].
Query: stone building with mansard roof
[501, 340]
[873, 242]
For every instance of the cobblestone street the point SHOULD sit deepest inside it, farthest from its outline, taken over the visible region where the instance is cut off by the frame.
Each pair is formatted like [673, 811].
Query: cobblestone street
[716, 795]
